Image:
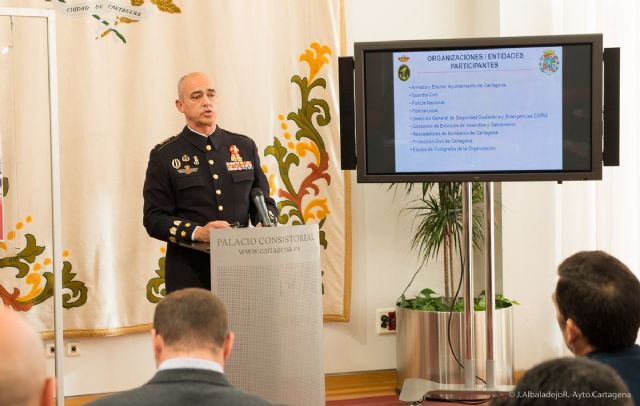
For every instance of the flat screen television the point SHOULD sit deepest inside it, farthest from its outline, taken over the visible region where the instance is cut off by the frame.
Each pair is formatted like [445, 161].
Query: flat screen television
[480, 109]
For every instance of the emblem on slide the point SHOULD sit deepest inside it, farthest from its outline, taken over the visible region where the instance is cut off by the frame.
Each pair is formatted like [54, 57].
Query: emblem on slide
[549, 62]
[404, 72]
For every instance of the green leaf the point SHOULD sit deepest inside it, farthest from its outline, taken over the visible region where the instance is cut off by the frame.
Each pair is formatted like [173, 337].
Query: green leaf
[75, 293]
[402, 302]
[284, 160]
[119, 35]
[283, 218]
[156, 289]
[47, 292]
[324, 116]
[24, 258]
[31, 251]
[428, 300]
[323, 239]
[97, 17]
[78, 289]
[502, 302]
[427, 292]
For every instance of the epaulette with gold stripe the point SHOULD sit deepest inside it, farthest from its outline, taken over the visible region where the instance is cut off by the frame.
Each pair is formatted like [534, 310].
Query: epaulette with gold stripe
[166, 142]
[237, 134]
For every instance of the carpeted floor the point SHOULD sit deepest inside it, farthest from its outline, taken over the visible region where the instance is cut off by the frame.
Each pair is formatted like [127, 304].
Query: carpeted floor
[376, 401]
[387, 401]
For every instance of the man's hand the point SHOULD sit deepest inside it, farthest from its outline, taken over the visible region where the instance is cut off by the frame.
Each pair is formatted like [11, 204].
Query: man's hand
[202, 232]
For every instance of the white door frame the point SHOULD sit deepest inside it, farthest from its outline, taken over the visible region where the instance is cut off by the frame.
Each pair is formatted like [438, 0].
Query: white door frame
[50, 17]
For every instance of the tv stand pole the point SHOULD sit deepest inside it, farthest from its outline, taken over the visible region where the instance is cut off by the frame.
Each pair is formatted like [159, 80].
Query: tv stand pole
[490, 284]
[467, 272]
[414, 391]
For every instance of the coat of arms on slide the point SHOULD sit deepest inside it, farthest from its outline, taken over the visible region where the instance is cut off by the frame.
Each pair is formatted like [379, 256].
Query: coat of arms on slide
[111, 15]
[403, 70]
[549, 62]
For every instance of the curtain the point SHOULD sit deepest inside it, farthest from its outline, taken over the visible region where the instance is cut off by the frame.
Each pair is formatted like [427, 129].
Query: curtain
[275, 69]
[544, 222]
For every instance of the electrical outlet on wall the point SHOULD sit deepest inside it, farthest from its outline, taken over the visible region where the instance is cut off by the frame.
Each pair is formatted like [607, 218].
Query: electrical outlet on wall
[386, 320]
[49, 350]
[73, 350]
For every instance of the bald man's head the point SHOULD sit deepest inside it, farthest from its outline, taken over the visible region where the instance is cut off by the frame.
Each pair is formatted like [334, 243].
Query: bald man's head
[23, 372]
[197, 100]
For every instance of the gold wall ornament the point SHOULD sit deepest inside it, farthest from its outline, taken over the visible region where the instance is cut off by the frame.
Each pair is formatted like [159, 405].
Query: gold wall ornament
[35, 282]
[303, 198]
[166, 6]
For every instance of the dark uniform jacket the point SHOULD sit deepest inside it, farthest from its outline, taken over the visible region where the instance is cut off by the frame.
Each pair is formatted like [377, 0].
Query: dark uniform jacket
[184, 387]
[192, 180]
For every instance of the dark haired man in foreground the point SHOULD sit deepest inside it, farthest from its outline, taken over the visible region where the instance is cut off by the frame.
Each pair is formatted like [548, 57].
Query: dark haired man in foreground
[597, 300]
[191, 342]
[568, 382]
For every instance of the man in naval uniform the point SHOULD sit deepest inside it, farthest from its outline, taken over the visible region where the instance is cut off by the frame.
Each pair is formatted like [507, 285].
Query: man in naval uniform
[200, 179]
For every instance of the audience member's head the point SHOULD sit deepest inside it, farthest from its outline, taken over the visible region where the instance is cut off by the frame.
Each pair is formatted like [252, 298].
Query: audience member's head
[598, 303]
[569, 381]
[191, 323]
[23, 369]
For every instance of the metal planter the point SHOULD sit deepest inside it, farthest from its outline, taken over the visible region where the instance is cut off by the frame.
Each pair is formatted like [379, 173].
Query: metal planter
[422, 346]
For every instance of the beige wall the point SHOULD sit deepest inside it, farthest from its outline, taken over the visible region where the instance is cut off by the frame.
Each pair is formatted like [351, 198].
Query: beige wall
[382, 261]
[542, 222]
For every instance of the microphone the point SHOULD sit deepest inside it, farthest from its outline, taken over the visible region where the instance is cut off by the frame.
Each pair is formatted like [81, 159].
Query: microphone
[257, 197]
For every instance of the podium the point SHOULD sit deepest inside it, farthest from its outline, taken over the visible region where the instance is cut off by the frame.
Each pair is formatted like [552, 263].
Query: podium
[269, 279]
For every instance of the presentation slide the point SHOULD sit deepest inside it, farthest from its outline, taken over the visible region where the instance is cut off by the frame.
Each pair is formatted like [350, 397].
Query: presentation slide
[478, 110]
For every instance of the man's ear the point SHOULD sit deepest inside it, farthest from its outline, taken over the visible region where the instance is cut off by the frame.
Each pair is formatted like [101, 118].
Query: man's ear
[158, 345]
[228, 345]
[179, 105]
[572, 334]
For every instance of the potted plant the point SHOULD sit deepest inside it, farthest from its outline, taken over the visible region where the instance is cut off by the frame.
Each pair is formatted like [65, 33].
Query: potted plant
[430, 326]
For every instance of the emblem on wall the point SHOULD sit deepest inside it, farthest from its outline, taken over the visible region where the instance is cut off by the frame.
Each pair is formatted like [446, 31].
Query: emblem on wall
[112, 15]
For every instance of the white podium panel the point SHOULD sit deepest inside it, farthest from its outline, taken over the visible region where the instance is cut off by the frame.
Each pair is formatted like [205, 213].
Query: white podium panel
[270, 281]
